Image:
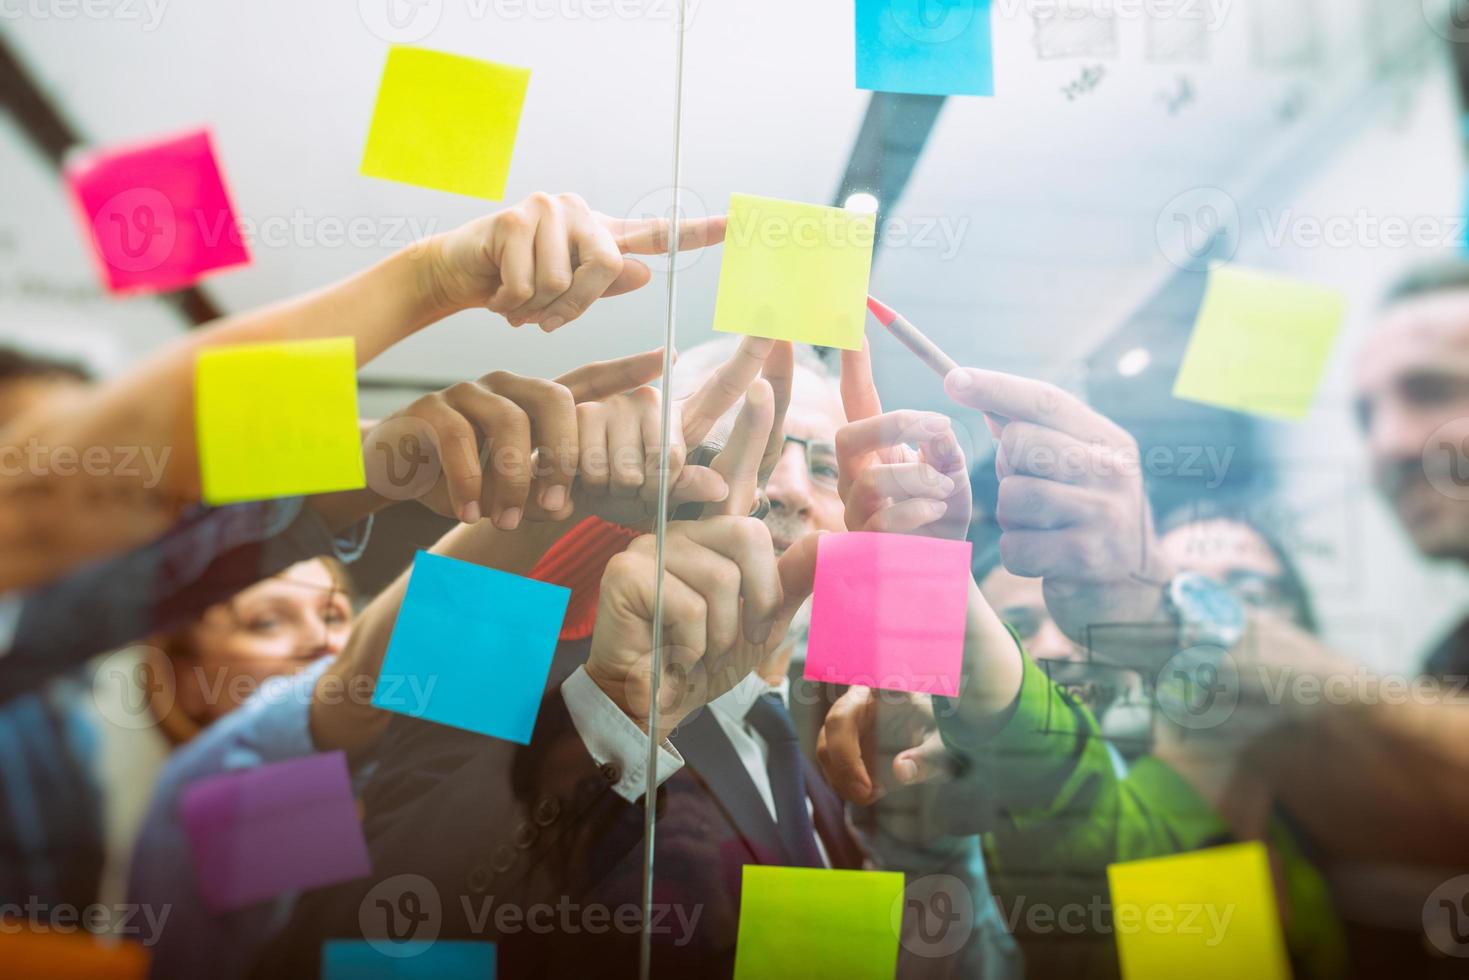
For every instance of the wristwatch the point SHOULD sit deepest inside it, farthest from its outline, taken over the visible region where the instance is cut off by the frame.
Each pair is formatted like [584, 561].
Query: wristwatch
[1199, 686]
[1205, 612]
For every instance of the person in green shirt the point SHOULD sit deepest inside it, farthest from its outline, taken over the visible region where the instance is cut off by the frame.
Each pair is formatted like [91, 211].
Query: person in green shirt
[1025, 761]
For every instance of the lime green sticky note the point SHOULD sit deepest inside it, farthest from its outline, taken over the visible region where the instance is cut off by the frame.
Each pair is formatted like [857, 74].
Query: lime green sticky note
[445, 122]
[278, 420]
[1260, 344]
[818, 924]
[795, 272]
[1203, 915]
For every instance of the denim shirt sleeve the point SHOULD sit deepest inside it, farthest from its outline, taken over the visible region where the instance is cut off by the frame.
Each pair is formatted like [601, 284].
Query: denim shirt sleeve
[272, 726]
[211, 554]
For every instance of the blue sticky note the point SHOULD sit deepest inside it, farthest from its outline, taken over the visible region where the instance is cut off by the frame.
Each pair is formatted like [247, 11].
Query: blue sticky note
[925, 47]
[416, 959]
[471, 648]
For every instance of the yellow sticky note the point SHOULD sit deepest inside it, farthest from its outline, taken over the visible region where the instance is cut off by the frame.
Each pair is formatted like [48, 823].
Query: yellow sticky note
[1202, 915]
[445, 122]
[818, 924]
[795, 272]
[1260, 344]
[277, 420]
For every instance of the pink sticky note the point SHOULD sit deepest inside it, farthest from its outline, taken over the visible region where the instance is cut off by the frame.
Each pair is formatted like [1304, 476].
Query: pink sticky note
[158, 214]
[288, 826]
[888, 611]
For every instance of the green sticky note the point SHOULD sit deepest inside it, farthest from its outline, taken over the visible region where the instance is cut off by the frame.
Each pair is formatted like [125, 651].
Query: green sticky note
[278, 420]
[445, 122]
[1260, 344]
[818, 924]
[1203, 915]
[795, 272]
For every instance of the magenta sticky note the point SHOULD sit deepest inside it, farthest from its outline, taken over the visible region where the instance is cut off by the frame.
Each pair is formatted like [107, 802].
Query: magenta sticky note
[261, 832]
[888, 611]
[158, 214]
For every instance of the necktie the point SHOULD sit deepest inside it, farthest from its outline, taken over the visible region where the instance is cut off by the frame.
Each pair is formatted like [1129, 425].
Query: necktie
[772, 722]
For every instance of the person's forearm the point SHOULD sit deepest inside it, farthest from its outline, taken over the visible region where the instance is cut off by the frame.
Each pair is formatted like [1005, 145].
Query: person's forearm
[993, 667]
[62, 510]
[342, 716]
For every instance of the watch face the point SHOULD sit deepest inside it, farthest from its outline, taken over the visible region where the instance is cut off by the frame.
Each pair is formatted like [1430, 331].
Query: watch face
[1208, 609]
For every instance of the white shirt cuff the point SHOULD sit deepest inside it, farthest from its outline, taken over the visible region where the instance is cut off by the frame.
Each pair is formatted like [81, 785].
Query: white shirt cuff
[612, 736]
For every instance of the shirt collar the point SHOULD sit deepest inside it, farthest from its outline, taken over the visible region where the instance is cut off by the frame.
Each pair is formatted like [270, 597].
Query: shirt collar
[735, 703]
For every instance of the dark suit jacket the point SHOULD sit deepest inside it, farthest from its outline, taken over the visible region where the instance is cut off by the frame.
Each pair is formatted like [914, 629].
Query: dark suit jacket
[530, 847]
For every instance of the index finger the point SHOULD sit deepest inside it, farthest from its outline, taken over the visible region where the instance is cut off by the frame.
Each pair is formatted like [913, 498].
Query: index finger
[780, 371]
[859, 391]
[724, 389]
[649, 236]
[739, 462]
[603, 379]
[1033, 401]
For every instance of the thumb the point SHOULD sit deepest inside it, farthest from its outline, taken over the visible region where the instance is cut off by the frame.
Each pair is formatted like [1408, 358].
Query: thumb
[634, 275]
[603, 379]
[928, 762]
[797, 569]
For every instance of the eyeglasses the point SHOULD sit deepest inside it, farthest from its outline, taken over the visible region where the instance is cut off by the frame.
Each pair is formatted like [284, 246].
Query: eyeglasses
[821, 460]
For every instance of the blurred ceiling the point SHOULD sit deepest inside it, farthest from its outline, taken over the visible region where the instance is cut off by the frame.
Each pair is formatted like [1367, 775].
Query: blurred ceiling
[1034, 223]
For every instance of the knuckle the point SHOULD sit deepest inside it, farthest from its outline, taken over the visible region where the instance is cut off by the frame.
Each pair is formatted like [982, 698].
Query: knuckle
[541, 199]
[516, 219]
[573, 200]
[557, 283]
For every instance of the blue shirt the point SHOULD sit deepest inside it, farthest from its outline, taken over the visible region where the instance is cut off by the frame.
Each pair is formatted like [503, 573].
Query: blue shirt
[208, 556]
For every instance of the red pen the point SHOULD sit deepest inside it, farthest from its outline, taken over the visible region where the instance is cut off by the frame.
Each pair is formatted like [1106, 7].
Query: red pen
[926, 350]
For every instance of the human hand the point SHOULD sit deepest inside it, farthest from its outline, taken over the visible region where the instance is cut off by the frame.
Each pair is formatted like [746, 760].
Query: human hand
[875, 741]
[886, 484]
[505, 445]
[1072, 507]
[549, 258]
[620, 439]
[727, 602]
